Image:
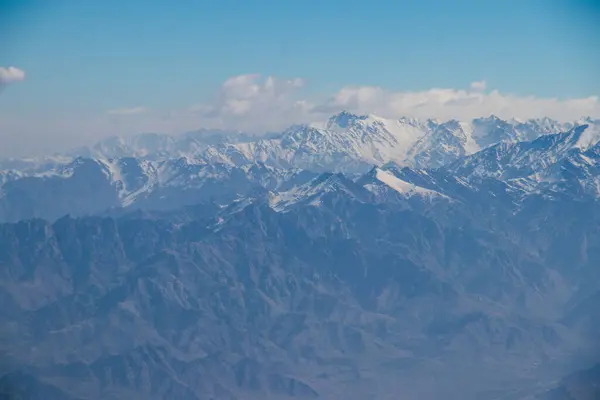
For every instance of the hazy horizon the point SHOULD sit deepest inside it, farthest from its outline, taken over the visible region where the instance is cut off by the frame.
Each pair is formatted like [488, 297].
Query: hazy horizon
[70, 78]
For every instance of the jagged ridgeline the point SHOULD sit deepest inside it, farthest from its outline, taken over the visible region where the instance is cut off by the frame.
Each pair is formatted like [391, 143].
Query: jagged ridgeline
[362, 258]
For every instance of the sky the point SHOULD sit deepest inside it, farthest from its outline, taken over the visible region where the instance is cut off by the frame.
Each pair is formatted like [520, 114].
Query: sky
[73, 72]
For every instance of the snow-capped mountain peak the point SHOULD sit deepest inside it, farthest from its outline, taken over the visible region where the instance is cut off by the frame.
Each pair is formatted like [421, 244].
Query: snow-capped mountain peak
[344, 120]
[314, 190]
[344, 142]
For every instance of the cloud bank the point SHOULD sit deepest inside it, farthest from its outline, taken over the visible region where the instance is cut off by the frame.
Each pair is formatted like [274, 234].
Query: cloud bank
[257, 104]
[251, 102]
[11, 75]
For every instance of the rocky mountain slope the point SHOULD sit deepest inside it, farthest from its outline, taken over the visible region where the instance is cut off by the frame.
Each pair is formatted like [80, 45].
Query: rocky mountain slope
[551, 164]
[344, 143]
[581, 385]
[252, 278]
[341, 298]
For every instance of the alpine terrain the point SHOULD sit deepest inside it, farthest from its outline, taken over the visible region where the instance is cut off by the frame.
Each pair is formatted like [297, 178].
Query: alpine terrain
[356, 258]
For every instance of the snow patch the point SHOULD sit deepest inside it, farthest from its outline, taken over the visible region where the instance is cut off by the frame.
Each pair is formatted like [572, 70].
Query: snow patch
[401, 186]
[588, 138]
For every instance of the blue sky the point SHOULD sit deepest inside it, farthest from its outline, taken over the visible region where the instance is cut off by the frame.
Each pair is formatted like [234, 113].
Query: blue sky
[82, 59]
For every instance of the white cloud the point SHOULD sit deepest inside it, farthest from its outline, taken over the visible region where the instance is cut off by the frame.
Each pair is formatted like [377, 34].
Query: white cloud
[257, 104]
[127, 111]
[478, 86]
[459, 104]
[11, 75]
[253, 103]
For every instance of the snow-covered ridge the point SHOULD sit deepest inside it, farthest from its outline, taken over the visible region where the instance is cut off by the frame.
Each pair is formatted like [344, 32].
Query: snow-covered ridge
[345, 142]
[525, 158]
[312, 191]
[520, 159]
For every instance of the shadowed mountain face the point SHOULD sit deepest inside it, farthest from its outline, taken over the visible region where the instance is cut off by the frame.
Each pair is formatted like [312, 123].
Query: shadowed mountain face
[348, 298]
[20, 386]
[582, 385]
[154, 173]
[235, 276]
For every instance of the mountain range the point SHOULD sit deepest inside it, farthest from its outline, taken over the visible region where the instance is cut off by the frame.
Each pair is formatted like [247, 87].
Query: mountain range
[357, 258]
[161, 171]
